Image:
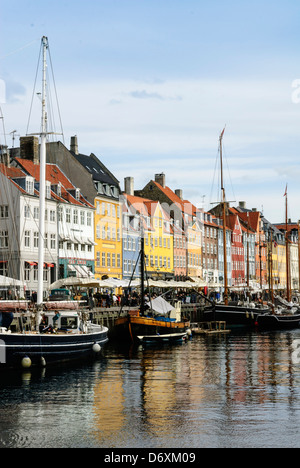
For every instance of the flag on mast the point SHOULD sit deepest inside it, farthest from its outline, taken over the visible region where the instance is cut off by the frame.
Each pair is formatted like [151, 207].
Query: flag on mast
[285, 193]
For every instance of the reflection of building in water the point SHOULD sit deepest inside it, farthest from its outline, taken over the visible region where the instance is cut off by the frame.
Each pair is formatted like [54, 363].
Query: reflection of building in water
[165, 390]
[109, 401]
[258, 367]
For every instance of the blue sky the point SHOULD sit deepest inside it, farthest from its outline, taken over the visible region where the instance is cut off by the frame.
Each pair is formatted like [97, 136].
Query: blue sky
[148, 86]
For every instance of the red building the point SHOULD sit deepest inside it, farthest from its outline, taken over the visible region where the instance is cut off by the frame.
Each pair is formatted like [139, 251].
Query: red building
[237, 251]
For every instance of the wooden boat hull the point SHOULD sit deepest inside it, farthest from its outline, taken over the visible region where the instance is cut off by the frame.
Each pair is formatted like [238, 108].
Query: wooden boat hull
[130, 327]
[234, 316]
[162, 339]
[278, 322]
[53, 348]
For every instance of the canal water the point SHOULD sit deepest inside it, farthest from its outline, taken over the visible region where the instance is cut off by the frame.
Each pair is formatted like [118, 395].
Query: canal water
[237, 390]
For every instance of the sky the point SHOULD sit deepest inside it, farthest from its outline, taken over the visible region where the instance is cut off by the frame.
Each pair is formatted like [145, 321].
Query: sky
[149, 85]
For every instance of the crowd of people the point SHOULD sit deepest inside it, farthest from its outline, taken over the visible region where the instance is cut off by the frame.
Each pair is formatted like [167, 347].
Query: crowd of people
[133, 298]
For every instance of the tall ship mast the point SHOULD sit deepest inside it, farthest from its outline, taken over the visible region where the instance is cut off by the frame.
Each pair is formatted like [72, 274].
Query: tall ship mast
[55, 332]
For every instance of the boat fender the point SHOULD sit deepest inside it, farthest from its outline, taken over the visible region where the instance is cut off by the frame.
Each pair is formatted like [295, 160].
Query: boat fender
[189, 332]
[247, 315]
[96, 348]
[252, 315]
[43, 362]
[26, 362]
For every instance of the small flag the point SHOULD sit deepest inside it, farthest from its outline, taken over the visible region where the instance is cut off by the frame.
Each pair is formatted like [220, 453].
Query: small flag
[285, 193]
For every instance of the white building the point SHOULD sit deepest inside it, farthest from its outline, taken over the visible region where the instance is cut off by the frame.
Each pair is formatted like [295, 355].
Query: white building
[19, 230]
[74, 222]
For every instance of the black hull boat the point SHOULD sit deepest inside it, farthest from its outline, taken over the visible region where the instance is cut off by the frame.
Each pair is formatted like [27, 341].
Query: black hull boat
[234, 316]
[49, 332]
[31, 350]
[278, 321]
[63, 337]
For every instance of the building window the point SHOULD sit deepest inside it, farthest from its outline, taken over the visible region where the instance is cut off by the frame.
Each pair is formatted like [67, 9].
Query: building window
[26, 211]
[98, 231]
[4, 211]
[26, 271]
[60, 213]
[53, 241]
[29, 185]
[75, 216]
[52, 216]
[82, 217]
[27, 239]
[35, 240]
[68, 215]
[89, 219]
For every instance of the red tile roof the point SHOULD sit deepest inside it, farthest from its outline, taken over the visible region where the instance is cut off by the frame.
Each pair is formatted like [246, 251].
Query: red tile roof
[54, 175]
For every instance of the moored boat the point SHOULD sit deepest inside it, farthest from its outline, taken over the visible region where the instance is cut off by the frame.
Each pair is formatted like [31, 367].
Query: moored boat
[135, 324]
[163, 339]
[286, 321]
[46, 333]
[62, 336]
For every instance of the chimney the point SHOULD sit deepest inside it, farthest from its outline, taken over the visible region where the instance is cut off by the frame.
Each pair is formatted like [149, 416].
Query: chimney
[129, 185]
[74, 144]
[161, 179]
[242, 204]
[179, 193]
[29, 148]
[4, 155]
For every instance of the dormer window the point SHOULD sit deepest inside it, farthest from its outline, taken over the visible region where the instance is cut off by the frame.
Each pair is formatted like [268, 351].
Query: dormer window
[77, 194]
[29, 185]
[48, 189]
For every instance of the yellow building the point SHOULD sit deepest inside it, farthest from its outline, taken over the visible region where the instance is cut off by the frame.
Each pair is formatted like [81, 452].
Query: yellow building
[108, 238]
[281, 266]
[158, 237]
[194, 250]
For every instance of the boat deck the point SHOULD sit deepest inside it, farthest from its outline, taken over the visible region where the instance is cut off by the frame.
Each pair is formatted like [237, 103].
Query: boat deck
[209, 328]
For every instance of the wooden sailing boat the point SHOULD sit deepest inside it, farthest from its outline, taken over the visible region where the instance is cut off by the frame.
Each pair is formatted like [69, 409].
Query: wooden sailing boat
[233, 315]
[50, 336]
[289, 316]
[150, 324]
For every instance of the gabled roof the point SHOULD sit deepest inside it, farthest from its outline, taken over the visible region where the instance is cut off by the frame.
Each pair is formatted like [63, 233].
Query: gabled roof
[185, 205]
[249, 220]
[251, 217]
[145, 206]
[55, 176]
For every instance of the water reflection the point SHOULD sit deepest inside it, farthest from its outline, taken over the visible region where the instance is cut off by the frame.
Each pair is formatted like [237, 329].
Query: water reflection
[238, 390]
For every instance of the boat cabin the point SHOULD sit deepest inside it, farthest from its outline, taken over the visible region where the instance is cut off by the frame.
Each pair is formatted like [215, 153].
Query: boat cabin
[62, 321]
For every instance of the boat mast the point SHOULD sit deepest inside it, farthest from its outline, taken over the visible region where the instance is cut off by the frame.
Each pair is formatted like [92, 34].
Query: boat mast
[142, 308]
[298, 255]
[224, 223]
[271, 268]
[288, 292]
[42, 190]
